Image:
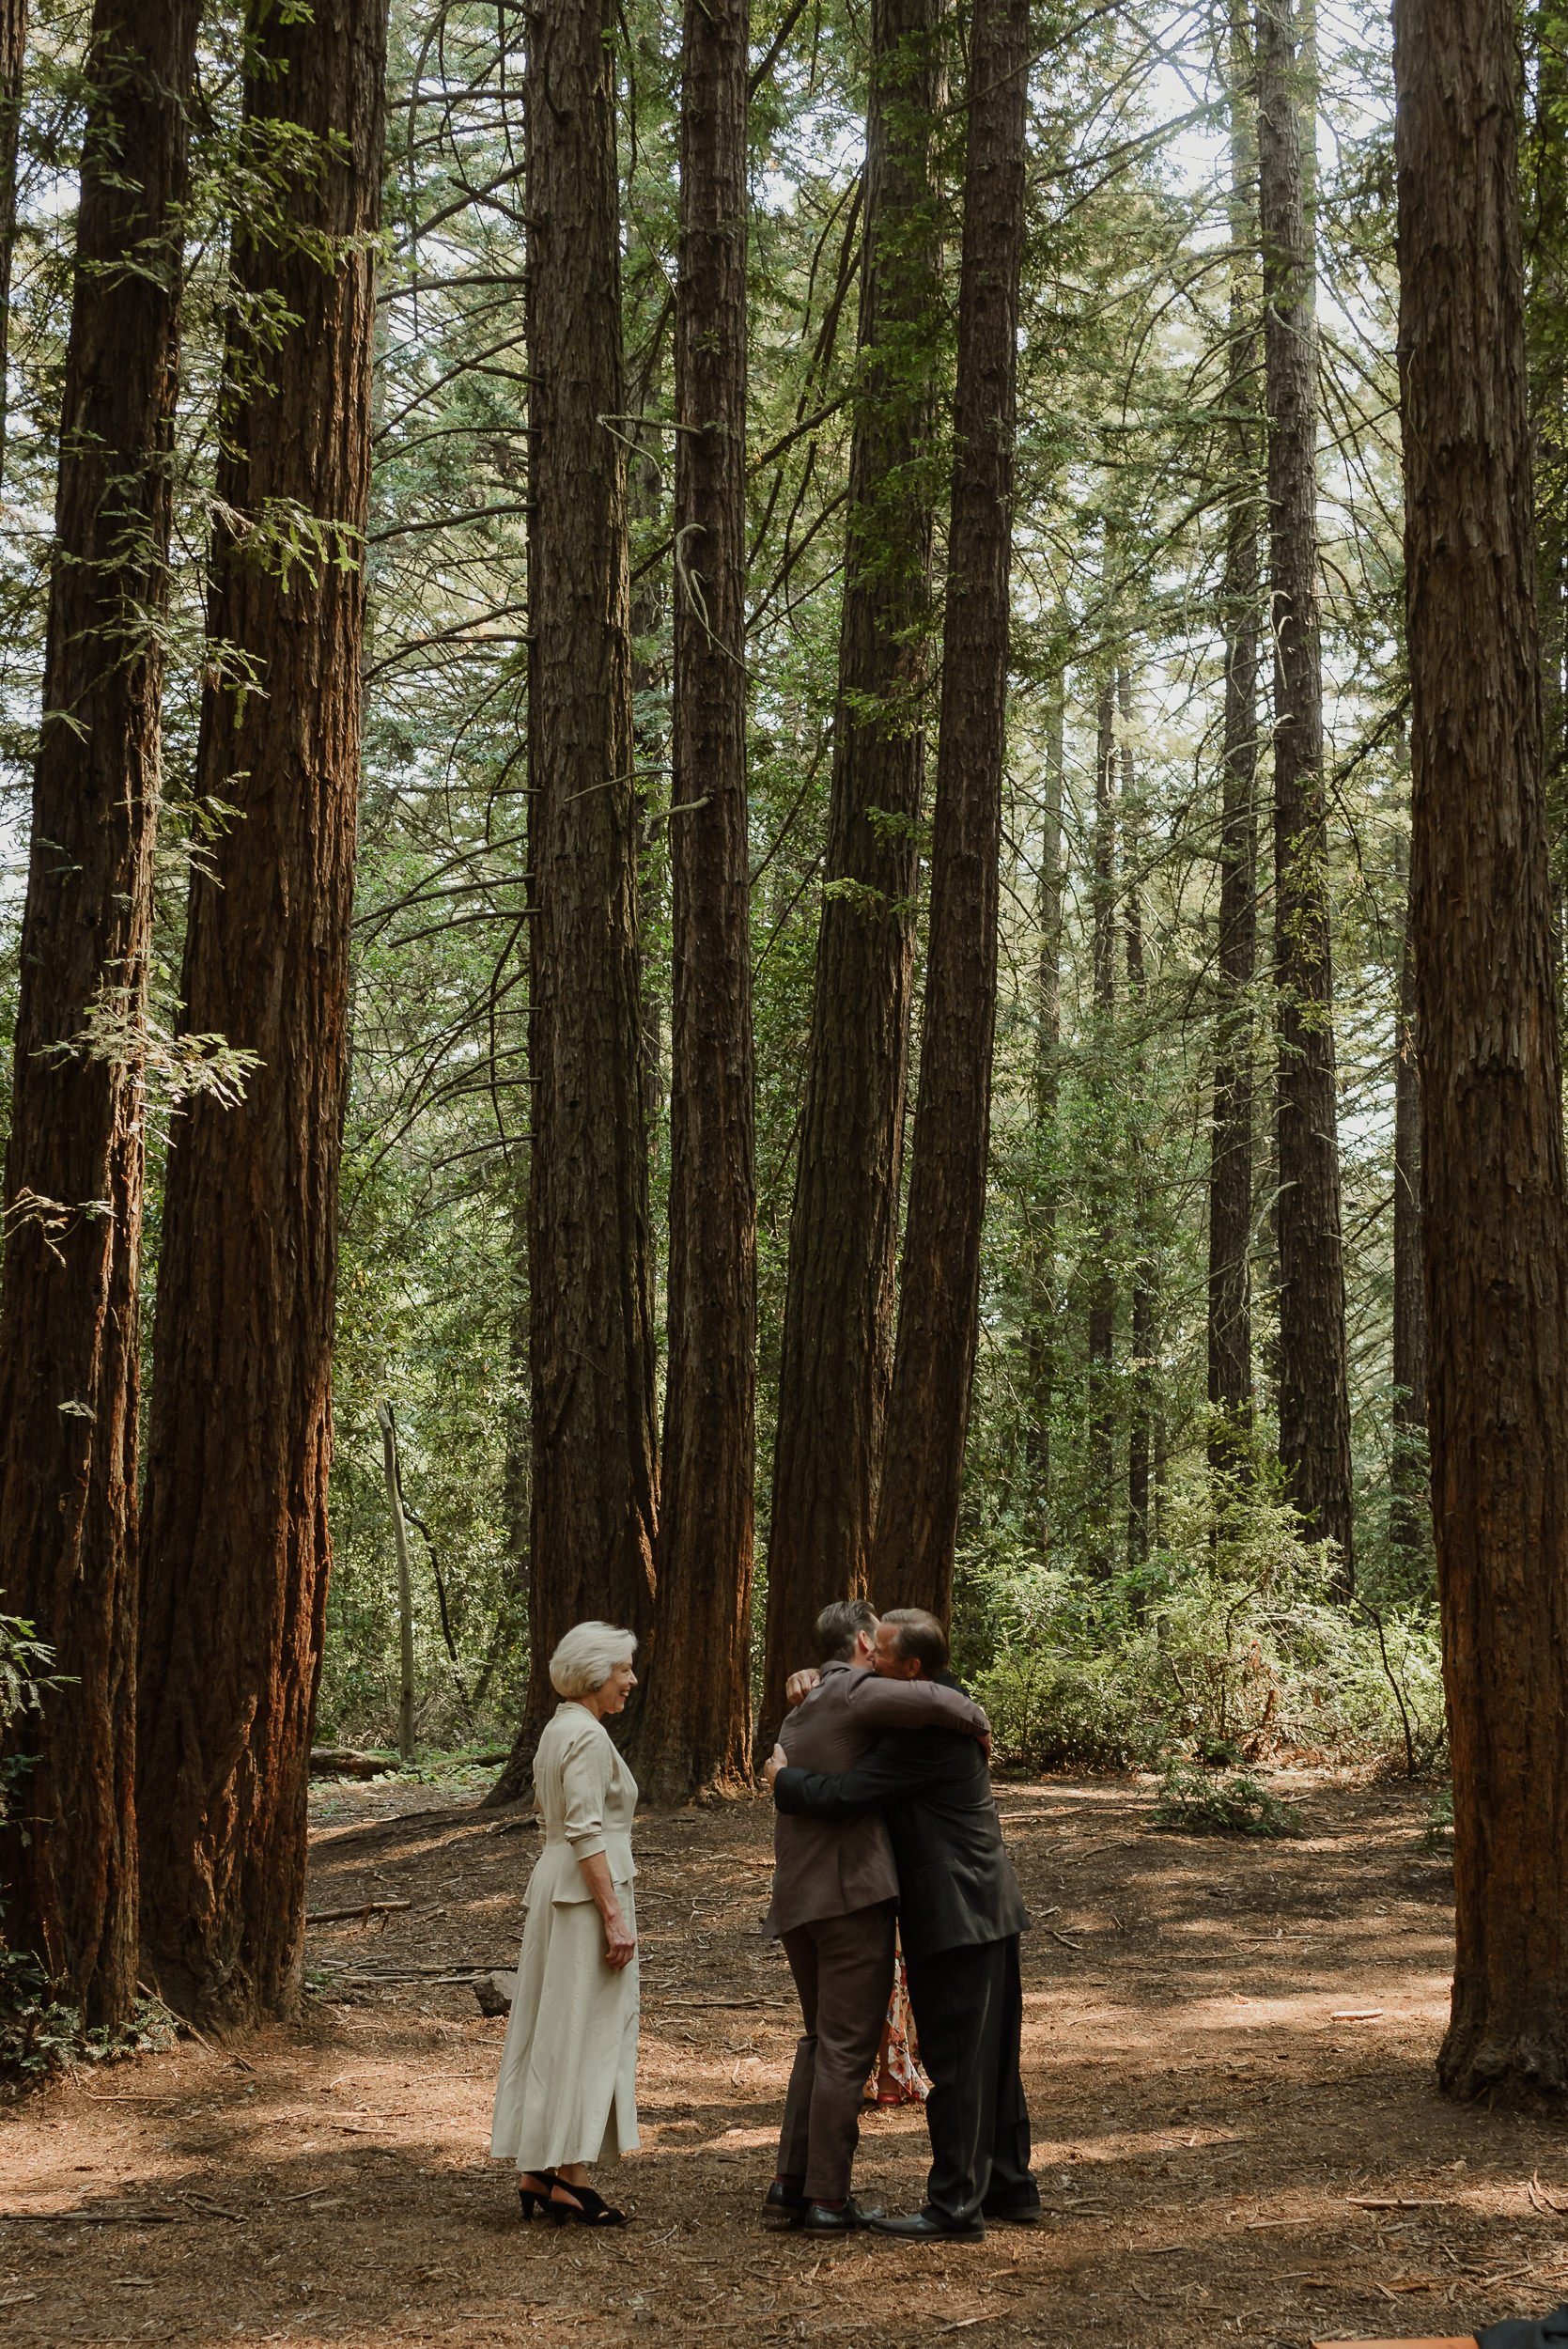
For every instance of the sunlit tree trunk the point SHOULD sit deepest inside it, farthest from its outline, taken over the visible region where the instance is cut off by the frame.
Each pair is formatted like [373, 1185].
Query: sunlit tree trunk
[68, 1325]
[928, 1415]
[696, 1727]
[1102, 1290]
[595, 1482]
[1410, 1304]
[236, 1550]
[1314, 1395]
[13, 45]
[1144, 1301]
[1492, 1146]
[838, 1328]
[1231, 1142]
[1045, 1087]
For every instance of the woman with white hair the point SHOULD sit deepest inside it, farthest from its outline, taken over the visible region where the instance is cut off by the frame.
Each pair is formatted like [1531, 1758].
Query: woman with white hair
[567, 2090]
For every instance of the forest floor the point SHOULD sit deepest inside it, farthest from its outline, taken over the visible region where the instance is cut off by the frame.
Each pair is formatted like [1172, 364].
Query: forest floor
[1228, 2047]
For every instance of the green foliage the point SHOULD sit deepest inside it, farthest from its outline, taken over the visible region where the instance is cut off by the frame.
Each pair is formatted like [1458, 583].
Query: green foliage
[1194, 1802]
[24, 1678]
[1227, 1644]
[1437, 1833]
[40, 2036]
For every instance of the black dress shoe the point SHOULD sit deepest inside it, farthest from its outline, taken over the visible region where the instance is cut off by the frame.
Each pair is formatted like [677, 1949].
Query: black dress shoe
[822, 2218]
[781, 2210]
[931, 2226]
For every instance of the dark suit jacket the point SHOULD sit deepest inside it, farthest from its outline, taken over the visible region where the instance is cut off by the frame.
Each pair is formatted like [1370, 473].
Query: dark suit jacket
[956, 1882]
[833, 1870]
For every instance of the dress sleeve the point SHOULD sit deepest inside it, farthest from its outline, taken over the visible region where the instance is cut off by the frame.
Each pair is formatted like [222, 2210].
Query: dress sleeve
[915, 1705]
[585, 1781]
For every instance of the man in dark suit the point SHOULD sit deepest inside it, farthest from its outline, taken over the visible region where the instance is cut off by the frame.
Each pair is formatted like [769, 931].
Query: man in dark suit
[960, 1914]
[832, 1909]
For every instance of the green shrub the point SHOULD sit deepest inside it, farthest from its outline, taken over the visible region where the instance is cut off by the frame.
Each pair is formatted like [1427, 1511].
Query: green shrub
[1196, 1802]
[1229, 1643]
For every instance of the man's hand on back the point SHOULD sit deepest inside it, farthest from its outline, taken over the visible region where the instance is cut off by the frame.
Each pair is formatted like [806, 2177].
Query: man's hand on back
[778, 1760]
[800, 1683]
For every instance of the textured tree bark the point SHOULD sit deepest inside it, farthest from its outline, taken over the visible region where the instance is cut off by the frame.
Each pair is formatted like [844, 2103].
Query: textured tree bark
[837, 1349]
[1545, 241]
[1047, 1085]
[1495, 1237]
[1230, 1287]
[917, 1517]
[13, 45]
[68, 1326]
[596, 1487]
[1102, 1294]
[1314, 1397]
[1410, 1509]
[696, 1725]
[235, 1549]
[1145, 1301]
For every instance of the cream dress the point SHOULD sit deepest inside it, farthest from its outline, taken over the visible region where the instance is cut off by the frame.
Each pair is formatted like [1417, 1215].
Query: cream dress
[567, 2090]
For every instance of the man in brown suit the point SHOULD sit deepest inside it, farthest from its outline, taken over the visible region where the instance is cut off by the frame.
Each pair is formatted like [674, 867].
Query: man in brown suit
[835, 1894]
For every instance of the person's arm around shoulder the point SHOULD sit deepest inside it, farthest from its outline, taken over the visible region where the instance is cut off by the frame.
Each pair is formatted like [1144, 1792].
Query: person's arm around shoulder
[585, 1776]
[884, 1704]
[890, 1772]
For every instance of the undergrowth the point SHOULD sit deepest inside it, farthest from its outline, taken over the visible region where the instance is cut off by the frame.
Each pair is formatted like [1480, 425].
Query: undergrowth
[1230, 1637]
[1196, 1801]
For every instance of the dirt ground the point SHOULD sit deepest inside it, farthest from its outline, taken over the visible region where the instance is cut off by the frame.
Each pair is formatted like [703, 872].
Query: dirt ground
[1228, 2051]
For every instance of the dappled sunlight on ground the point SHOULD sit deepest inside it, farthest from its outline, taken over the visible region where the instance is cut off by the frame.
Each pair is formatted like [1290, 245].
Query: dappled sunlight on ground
[1228, 2050]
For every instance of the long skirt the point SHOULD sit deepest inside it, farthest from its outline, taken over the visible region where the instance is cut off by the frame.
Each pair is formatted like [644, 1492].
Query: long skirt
[567, 2090]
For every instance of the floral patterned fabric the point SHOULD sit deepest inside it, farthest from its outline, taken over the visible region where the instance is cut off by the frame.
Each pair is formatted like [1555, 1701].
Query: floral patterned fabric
[898, 2079]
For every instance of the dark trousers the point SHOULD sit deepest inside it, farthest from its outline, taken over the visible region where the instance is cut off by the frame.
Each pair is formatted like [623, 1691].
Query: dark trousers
[843, 1970]
[968, 2012]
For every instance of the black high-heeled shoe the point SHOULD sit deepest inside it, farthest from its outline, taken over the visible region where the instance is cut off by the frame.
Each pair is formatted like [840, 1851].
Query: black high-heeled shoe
[588, 2209]
[534, 2198]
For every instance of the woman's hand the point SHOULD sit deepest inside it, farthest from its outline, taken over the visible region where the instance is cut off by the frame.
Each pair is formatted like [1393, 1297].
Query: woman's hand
[620, 1947]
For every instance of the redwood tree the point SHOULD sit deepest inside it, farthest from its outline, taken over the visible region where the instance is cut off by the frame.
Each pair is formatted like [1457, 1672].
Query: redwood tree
[1314, 1391]
[13, 45]
[69, 1336]
[837, 1349]
[696, 1727]
[917, 1518]
[595, 1474]
[236, 1550]
[1492, 1171]
[1409, 1301]
[1101, 1398]
[1230, 1296]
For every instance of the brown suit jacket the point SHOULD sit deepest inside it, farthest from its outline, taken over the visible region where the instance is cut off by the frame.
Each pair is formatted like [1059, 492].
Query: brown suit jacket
[830, 1871]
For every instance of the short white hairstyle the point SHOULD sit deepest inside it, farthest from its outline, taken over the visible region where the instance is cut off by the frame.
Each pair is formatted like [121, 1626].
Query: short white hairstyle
[587, 1656]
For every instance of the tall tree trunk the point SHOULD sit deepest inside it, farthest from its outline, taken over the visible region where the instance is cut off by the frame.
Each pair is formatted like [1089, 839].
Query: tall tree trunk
[1546, 343]
[596, 1478]
[1045, 1088]
[1145, 1301]
[1102, 1295]
[1409, 1317]
[837, 1349]
[917, 1517]
[68, 1337]
[696, 1727]
[1492, 1171]
[1314, 1390]
[236, 1550]
[14, 46]
[1230, 1287]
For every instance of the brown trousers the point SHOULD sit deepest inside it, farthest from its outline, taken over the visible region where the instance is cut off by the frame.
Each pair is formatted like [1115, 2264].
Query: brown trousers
[843, 1970]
